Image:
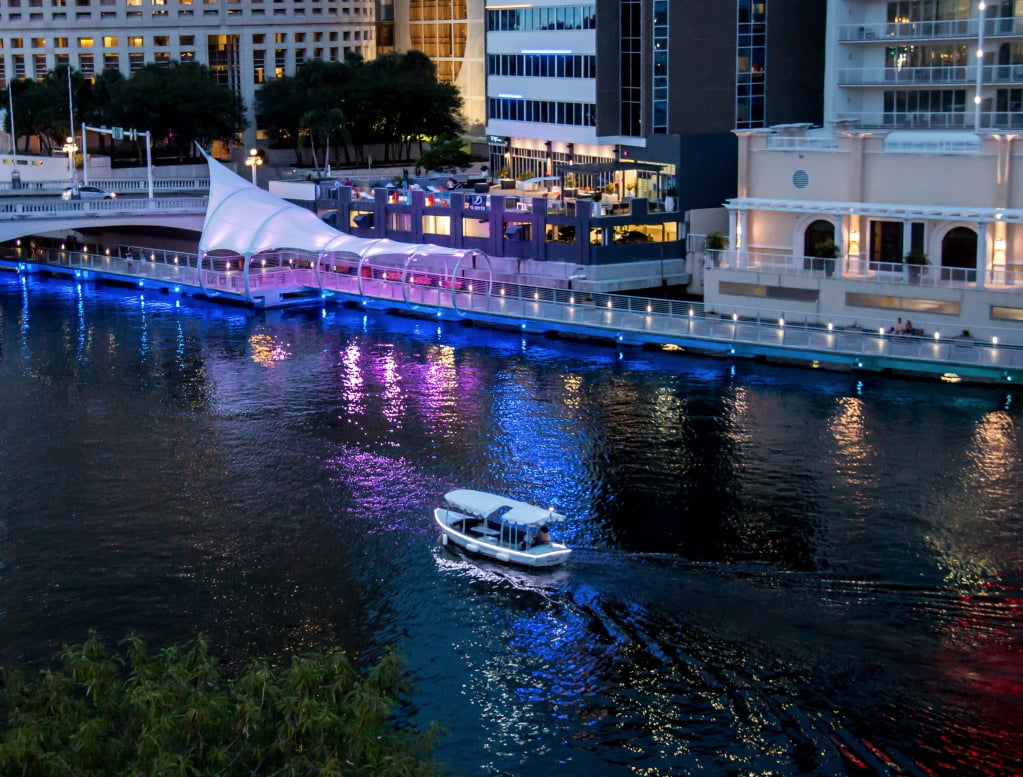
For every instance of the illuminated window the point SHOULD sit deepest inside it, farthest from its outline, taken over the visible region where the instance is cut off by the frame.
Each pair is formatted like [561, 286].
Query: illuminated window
[39, 43]
[135, 41]
[85, 43]
[109, 42]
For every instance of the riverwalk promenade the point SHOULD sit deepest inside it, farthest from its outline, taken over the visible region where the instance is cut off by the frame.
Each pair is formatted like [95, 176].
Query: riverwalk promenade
[471, 293]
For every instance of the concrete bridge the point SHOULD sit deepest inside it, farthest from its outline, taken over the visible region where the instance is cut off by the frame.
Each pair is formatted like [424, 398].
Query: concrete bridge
[25, 216]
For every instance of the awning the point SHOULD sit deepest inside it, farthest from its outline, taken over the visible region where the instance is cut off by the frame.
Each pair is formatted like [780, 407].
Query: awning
[608, 168]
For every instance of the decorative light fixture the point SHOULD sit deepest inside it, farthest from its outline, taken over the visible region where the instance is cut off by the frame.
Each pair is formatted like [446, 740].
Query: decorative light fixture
[253, 161]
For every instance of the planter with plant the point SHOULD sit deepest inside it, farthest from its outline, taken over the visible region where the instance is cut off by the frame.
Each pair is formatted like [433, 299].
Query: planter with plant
[570, 188]
[915, 260]
[826, 251]
[504, 174]
[714, 244]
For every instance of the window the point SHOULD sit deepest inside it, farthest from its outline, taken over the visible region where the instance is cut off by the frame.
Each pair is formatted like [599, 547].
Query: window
[161, 40]
[85, 43]
[186, 40]
[134, 41]
[109, 42]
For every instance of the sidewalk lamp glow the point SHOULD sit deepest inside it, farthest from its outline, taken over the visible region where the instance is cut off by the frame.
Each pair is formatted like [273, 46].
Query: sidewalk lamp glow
[253, 162]
[70, 148]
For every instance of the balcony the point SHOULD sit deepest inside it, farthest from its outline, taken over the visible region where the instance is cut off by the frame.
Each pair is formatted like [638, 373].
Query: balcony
[950, 29]
[989, 120]
[957, 75]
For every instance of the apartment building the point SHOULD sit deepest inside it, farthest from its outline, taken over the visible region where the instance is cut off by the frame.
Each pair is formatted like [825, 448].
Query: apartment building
[934, 64]
[243, 42]
[644, 94]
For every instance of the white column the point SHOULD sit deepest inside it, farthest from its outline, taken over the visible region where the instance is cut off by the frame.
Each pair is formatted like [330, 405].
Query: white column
[840, 241]
[742, 232]
[981, 254]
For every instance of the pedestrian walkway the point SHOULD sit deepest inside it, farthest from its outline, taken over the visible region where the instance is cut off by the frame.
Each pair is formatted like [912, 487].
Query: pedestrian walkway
[465, 293]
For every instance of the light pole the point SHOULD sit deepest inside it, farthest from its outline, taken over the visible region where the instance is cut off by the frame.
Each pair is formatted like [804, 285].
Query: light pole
[70, 148]
[253, 161]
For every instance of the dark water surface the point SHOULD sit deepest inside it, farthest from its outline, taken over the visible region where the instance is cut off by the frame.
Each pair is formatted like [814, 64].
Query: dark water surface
[779, 572]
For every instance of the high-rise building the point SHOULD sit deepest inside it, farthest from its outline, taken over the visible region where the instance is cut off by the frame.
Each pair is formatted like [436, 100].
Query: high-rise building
[243, 42]
[645, 93]
[449, 32]
[925, 64]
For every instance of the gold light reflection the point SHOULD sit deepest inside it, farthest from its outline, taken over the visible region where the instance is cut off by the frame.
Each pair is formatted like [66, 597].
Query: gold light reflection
[573, 391]
[266, 351]
[847, 427]
[969, 563]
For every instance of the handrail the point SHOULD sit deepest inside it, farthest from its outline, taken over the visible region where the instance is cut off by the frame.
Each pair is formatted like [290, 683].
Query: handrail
[615, 315]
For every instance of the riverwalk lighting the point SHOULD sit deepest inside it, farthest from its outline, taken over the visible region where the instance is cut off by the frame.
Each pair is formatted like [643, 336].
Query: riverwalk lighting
[994, 341]
[253, 162]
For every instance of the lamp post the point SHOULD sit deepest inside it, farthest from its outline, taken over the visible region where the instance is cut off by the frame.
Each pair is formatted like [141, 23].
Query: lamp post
[70, 148]
[253, 161]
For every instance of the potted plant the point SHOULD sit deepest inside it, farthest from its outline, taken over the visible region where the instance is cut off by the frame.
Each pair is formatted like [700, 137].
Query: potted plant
[507, 182]
[826, 251]
[915, 261]
[570, 188]
[714, 244]
[669, 198]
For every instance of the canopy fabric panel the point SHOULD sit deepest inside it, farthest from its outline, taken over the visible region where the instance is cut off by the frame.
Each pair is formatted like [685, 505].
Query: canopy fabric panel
[483, 504]
[246, 220]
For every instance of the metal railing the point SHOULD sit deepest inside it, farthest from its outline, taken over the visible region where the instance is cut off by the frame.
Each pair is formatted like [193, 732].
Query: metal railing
[118, 185]
[13, 208]
[613, 315]
[859, 267]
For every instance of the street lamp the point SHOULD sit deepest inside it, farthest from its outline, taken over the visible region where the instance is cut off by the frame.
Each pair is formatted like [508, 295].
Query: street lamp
[70, 148]
[253, 161]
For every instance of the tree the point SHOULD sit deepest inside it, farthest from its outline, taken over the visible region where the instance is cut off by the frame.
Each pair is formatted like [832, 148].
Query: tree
[446, 154]
[180, 104]
[395, 100]
[175, 712]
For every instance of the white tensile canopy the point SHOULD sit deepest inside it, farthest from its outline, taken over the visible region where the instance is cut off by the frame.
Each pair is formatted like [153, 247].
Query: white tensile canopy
[246, 220]
[483, 504]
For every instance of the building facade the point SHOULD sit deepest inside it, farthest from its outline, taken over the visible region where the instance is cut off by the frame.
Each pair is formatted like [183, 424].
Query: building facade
[244, 43]
[935, 64]
[642, 95]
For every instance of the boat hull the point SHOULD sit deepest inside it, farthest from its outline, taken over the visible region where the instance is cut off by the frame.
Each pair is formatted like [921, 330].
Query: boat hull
[451, 523]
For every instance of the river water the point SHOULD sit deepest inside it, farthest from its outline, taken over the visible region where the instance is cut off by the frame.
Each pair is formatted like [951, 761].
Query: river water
[777, 571]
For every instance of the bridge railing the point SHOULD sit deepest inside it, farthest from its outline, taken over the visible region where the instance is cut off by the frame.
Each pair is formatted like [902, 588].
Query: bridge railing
[21, 209]
[118, 185]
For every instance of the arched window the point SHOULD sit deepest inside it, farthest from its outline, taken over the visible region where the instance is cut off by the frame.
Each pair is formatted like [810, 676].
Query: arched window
[818, 232]
[959, 248]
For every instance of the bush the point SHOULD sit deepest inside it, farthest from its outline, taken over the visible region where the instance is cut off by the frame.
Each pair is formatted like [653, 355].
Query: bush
[174, 712]
[715, 241]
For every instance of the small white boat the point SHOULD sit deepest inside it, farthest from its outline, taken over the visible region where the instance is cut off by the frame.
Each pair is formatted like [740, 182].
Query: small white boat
[501, 528]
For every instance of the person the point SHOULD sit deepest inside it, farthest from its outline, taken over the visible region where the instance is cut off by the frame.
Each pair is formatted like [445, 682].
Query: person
[543, 536]
[900, 328]
[909, 330]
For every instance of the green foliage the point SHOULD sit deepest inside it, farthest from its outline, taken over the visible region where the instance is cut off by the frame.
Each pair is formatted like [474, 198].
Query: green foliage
[826, 249]
[175, 713]
[916, 257]
[504, 172]
[525, 175]
[715, 241]
[570, 180]
[394, 100]
[446, 154]
[178, 103]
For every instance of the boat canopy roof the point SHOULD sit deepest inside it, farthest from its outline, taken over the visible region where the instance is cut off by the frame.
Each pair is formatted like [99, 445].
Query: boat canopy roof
[501, 508]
